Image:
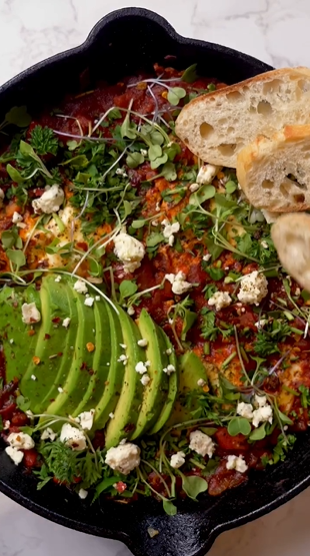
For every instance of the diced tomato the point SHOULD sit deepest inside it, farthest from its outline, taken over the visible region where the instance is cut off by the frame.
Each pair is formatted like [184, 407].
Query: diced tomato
[224, 479]
[227, 442]
[120, 486]
[30, 458]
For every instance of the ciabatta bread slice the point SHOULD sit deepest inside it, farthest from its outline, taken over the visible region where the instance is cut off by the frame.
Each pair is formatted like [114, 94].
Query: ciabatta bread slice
[216, 126]
[275, 173]
[291, 237]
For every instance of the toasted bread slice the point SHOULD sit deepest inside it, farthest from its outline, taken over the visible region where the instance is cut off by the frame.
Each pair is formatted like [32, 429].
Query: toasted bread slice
[275, 173]
[291, 236]
[216, 126]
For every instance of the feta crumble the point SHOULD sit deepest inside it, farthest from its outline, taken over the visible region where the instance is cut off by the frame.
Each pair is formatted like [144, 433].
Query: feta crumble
[129, 250]
[60, 390]
[130, 311]
[48, 434]
[194, 187]
[86, 419]
[111, 415]
[220, 300]
[178, 282]
[145, 379]
[58, 278]
[201, 383]
[141, 368]
[169, 230]
[142, 343]
[15, 454]
[66, 322]
[30, 313]
[169, 369]
[237, 463]
[124, 458]
[89, 301]
[253, 288]
[33, 377]
[83, 493]
[20, 440]
[50, 201]
[207, 174]
[80, 287]
[262, 415]
[245, 410]
[16, 217]
[177, 460]
[201, 443]
[73, 437]
[207, 257]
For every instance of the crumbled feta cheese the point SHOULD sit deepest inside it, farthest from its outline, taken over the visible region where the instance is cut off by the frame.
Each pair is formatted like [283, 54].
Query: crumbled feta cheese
[194, 187]
[237, 463]
[129, 250]
[80, 286]
[86, 419]
[297, 292]
[260, 401]
[157, 206]
[207, 174]
[169, 369]
[264, 244]
[33, 377]
[147, 363]
[201, 443]
[145, 379]
[123, 359]
[29, 414]
[154, 223]
[168, 351]
[123, 346]
[16, 217]
[169, 230]
[50, 201]
[60, 389]
[73, 437]
[261, 323]
[20, 440]
[177, 460]
[245, 410]
[121, 172]
[48, 434]
[262, 415]
[6, 425]
[178, 282]
[201, 383]
[15, 454]
[220, 300]
[141, 368]
[207, 257]
[142, 343]
[124, 458]
[143, 152]
[58, 278]
[111, 415]
[66, 322]
[253, 288]
[97, 297]
[83, 493]
[89, 301]
[11, 341]
[30, 313]
[130, 310]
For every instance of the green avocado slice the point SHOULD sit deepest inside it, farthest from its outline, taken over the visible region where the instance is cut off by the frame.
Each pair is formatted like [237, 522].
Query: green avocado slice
[40, 382]
[116, 370]
[155, 393]
[101, 360]
[127, 409]
[14, 333]
[191, 369]
[79, 375]
[172, 387]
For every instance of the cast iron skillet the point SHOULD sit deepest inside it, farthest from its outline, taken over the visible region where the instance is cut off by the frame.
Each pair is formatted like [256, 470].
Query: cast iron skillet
[122, 43]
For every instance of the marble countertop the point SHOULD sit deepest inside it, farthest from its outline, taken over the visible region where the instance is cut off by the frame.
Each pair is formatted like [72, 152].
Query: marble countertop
[277, 32]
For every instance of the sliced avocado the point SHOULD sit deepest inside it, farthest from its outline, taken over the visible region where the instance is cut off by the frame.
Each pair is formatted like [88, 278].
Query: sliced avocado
[52, 357]
[79, 375]
[18, 339]
[172, 387]
[126, 413]
[191, 369]
[155, 393]
[116, 370]
[101, 360]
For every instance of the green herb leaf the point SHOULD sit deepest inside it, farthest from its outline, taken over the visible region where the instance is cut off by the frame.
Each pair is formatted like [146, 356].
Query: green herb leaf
[107, 483]
[9, 238]
[239, 425]
[169, 507]
[44, 140]
[137, 224]
[194, 485]
[128, 129]
[18, 116]
[168, 171]
[231, 186]
[215, 273]
[134, 160]
[14, 174]
[127, 288]
[190, 74]
[259, 433]
[79, 161]
[203, 194]
[154, 239]
[23, 403]
[175, 94]
[17, 257]
[72, 145]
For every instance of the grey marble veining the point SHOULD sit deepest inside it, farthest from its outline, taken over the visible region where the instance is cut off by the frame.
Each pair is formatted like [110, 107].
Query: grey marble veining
[276, 31]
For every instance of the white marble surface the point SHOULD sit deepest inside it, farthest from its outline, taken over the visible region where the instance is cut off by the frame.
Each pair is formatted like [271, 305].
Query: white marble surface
[276, 31]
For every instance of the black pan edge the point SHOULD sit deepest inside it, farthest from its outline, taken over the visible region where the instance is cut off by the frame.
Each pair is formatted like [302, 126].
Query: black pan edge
[148, 38]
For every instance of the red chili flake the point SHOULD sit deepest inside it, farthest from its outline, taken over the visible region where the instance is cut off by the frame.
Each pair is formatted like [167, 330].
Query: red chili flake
[60, 354]
[56, 320]
[82, 245]
[31, 332]
[120, 486]
[130, 427]
[47, 337]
